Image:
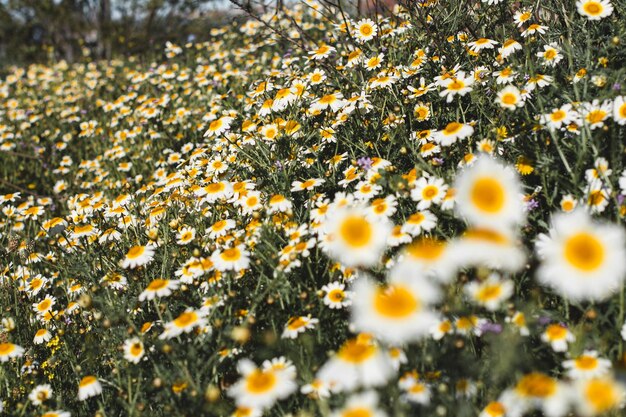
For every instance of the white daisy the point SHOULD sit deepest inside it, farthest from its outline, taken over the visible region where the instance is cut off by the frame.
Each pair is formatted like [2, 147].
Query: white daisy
[582, 259]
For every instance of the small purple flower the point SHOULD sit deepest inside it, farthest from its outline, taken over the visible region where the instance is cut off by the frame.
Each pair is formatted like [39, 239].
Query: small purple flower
[364, 162]
[543, 320]
[278, 165]
[620, 199]
[438, 161]
[532, 204]
[489, 327]
[617, 86]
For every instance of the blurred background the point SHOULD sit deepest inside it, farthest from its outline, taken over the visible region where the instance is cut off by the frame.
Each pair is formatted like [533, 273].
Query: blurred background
[45, 30]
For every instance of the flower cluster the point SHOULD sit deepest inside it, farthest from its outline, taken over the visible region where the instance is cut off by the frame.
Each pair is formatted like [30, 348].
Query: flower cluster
[412, 212]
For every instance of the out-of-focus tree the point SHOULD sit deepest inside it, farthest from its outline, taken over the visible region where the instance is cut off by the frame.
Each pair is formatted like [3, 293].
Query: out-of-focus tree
[29, 29]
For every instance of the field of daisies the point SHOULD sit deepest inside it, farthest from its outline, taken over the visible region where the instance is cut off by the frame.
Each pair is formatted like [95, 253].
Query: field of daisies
[315, 213]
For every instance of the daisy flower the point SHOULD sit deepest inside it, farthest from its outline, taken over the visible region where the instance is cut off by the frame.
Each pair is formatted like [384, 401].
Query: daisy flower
[588, 365]
[261, 388]
[491, 292]
[158, 288]
[509, 47]
[539, 391]
[353, 238]
[568, 203]
[482, 43]
[221, 228]
[550, 55]
[428, 191]
[596, 113]
[458, 84]
[488, 194]
[397, 312]
[365, 30]
[358, 362]
[598, 396]
[184, 323]
[185, 235]
[452, 132]
[582, 259]
[40, 394]
[559, 117]
[235, 259]
[522, 16]
[483, 247]
[138, 256]
[534, 28]
[88, 387]
[594, 9]
[422, 221]
[414, 390]
[297, 325]
[133, 350]
[336, 296]
[316, 389]
[306, 185]
[558, 336]
[42, 335]
[426, 256]
[619, 110]
[509, 98]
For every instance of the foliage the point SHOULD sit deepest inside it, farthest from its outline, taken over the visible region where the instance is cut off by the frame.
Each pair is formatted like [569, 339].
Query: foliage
[265, 194]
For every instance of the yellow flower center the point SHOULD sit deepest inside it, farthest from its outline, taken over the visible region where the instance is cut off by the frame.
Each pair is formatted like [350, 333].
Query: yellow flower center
[357, 412]
[596, 116]
[88, 380]
[586, 362]
[215, 187]
[489, 292]
[186, 319]
[219, 225]
[44, 305]
[395, 302]
[215, 125]
[584, 251]
[557, 116]
[356, 351]
[593, 8]
[429, 192]
[135, 252]
[296, 323]
[495, 409]
[336, 295]
[259, 382]
[456, 85]
[536, 385]
[356, 231]
[488, 195]
[157, 284]
[509, 98]
[550, 54]
[556, 332]
[277, 199]
[366, 30]
[231, 254]
[452, 128]
[6, 348]
[136, 349]
[601, 395]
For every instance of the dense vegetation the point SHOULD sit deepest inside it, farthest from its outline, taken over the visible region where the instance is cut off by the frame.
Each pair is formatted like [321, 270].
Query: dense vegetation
[314, 213]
